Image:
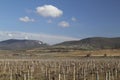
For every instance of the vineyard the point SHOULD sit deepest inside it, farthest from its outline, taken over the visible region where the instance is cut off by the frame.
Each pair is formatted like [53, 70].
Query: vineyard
[60, 69]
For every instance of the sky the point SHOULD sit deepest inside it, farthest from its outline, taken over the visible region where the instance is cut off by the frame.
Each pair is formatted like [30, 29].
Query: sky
[54, 21]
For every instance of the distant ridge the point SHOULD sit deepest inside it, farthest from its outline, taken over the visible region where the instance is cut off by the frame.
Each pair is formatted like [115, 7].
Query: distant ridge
[93, 43]
[15, 44]
[86, 44]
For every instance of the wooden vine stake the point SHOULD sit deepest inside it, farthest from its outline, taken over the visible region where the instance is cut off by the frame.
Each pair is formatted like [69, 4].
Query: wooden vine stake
[59, 76]
[97, 75]
[106, 76]
[11, 77]
[74, 72]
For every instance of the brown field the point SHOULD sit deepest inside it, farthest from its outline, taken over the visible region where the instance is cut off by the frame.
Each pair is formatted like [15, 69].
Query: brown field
[114, 52]
[70, 65]
[39, 53]
[60, 69]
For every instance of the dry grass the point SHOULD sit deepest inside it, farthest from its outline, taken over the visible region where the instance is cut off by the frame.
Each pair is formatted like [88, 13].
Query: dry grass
[71, 54]
[24, 65]
[113, 52]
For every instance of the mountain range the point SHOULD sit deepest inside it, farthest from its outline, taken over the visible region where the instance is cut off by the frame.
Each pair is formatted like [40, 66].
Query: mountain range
[87, 43]
[93, 43]
[15, 44]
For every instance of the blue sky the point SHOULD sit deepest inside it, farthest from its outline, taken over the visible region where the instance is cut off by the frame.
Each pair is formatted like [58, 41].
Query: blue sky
[65, 19]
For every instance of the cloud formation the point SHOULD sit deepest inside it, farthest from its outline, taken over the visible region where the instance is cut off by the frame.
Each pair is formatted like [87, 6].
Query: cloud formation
[26, 19]
[73, 19]
[10, 35]
[49, 11]
[64, 24]
[47, 38]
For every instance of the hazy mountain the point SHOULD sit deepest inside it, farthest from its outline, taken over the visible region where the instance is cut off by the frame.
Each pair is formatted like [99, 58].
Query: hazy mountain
[87, 43]
[14, 44]
[93, 43]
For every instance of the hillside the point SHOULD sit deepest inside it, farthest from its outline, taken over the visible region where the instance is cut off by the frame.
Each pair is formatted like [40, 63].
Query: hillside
[86, 44]
[14, 44]
[93, 43]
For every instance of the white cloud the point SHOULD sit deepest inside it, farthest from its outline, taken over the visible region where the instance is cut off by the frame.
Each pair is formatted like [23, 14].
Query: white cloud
[26, 19]
[73, 19]
[10, 35]
[49, 11]
[64, 24]
[26, 37]
[50, 39]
